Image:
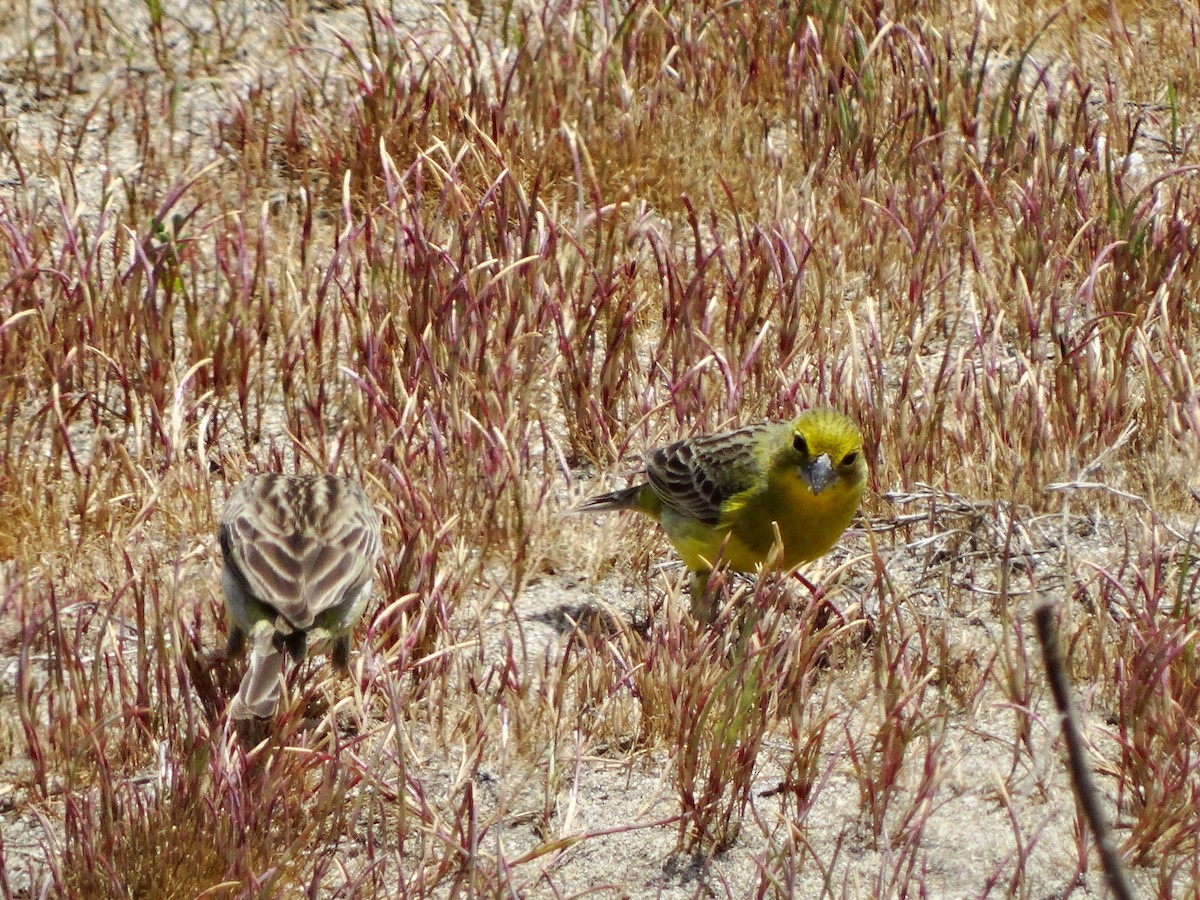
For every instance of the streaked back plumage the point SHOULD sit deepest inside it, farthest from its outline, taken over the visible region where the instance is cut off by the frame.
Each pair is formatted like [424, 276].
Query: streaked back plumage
[302, 544]
[300, 554]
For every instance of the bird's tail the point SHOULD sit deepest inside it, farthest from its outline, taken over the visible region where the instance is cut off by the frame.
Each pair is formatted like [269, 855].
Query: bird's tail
[628, 498]
[260, 689]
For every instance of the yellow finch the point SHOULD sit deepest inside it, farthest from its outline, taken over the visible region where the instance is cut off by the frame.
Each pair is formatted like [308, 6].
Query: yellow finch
[300, 553]
[722, 496]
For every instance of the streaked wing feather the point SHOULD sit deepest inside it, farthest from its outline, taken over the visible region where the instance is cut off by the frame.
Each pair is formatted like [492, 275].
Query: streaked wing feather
[301, 547]
[698, 476]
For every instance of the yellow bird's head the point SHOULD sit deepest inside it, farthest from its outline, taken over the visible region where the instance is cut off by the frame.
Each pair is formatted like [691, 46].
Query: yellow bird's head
[828, 451]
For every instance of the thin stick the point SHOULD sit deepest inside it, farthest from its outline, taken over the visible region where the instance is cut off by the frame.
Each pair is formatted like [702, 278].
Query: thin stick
[1081, 773]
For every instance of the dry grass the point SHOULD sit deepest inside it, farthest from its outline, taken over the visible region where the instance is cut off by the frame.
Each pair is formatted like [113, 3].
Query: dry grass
[476, 259]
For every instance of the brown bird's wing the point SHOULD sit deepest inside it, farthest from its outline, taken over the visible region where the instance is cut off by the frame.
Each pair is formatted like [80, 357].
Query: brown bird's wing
[696, 477]
[302, 546]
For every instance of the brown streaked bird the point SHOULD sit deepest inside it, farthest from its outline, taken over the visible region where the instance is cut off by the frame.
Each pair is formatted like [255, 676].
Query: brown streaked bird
[300, 553]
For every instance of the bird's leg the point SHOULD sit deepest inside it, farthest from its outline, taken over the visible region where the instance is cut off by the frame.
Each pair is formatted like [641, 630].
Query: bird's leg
[235, 644]
[341, 653]
[704, 605]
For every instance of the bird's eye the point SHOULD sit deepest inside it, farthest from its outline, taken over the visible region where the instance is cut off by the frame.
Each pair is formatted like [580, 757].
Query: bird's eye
[800, 444]
[849, 458]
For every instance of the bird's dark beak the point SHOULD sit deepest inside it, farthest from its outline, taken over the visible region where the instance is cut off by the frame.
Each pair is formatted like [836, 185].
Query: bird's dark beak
[818, 474]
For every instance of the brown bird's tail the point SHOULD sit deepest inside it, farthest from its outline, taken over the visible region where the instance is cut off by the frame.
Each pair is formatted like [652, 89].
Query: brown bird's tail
[623, 499]
[259, 693]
